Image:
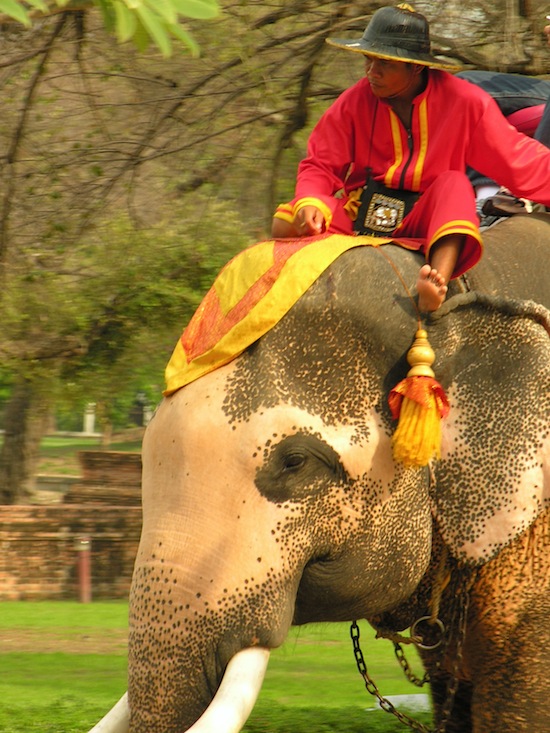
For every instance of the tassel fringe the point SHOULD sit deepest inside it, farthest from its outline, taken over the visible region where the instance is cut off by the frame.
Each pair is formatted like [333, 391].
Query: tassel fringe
[418, 402]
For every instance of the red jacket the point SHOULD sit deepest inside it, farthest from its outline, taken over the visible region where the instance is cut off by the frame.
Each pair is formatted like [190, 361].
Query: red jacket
[454, 124]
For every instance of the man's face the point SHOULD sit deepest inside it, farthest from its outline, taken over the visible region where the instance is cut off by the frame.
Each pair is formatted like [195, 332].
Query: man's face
[389, 78]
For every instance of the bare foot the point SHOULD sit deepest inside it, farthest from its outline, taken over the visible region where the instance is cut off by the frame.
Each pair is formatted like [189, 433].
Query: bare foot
[431, 289]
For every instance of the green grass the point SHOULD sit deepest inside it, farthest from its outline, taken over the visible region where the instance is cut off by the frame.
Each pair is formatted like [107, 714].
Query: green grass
[60, 445]
[63, 614]
[59, 454]
[54, 691]
[311, 684]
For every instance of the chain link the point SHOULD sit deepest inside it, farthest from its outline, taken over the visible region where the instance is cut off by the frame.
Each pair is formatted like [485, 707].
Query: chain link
[460, 611]
[405, 666]
[372, 689]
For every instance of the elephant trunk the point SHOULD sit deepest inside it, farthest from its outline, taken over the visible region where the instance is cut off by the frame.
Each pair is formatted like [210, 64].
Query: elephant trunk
[230, 707]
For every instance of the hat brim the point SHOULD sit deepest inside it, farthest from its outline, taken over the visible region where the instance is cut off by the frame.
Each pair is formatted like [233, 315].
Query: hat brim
[391, 53]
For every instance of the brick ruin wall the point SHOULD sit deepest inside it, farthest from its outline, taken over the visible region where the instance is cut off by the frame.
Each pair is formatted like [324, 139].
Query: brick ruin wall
[40, 545]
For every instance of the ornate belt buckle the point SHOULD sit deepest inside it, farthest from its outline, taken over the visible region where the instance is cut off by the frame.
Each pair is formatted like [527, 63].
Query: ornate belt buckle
[384, 213]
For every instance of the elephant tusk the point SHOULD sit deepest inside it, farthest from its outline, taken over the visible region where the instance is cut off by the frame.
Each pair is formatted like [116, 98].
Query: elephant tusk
[117, 719]
[236, 695]
[230, 707]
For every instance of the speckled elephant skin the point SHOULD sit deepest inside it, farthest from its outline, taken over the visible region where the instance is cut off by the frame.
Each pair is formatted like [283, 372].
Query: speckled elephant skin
[271, 498]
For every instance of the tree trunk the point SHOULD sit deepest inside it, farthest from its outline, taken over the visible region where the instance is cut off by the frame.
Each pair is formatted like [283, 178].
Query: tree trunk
[26, 422]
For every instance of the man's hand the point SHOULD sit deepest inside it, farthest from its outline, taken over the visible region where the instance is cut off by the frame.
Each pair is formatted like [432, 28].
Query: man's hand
[310, 220]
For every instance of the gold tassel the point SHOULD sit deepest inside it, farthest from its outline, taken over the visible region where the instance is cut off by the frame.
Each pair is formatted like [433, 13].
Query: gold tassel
[418, 402]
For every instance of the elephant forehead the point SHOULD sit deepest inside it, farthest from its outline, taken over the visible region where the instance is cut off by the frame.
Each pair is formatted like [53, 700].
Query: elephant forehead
[205, 423]
[317, 361]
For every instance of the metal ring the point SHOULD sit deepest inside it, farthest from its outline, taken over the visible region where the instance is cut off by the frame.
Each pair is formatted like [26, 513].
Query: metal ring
[417, 640]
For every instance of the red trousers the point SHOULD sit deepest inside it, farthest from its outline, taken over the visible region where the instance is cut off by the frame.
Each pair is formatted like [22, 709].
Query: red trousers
[447, 206]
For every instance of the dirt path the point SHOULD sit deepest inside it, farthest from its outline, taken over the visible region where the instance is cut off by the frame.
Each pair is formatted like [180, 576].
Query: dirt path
[80, 640]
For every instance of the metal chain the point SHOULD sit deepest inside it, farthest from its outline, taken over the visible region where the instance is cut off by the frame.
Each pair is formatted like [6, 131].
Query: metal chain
[372, 689]
[405, 666]
[463, 598]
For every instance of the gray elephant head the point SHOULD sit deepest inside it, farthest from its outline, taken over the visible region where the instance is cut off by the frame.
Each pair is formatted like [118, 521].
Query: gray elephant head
[270, 495]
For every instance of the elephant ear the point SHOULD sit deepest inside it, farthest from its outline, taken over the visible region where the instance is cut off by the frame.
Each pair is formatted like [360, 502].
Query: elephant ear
[493, 358]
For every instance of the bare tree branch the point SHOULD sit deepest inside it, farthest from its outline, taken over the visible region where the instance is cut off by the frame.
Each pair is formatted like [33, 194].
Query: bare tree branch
[11, 155]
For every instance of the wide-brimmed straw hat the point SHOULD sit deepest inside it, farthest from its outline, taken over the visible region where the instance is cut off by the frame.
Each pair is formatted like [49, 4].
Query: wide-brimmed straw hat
[396, 33]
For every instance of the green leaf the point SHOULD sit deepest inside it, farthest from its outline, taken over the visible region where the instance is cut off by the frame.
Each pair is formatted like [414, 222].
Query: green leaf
[141, 37]
[164, 8]
[156, 29]
[15, 10]
[200, 9]
[106, 8]
[39, 5]
[126, 21]
[186, 38]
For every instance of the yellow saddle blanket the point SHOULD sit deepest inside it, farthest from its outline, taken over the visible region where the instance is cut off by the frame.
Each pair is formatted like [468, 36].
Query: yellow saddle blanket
[249, 296]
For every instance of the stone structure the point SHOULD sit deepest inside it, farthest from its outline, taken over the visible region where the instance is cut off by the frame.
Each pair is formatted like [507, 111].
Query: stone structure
[39, 545]
[108, 477]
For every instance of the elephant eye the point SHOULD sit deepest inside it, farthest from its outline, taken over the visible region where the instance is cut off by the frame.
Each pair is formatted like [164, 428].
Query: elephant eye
[293, 461]
[297, 466]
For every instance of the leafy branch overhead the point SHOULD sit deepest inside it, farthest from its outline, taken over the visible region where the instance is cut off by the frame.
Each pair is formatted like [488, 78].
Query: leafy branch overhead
[141, 21]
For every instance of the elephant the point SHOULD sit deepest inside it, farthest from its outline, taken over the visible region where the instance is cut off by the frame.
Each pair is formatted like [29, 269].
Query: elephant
[271, 498]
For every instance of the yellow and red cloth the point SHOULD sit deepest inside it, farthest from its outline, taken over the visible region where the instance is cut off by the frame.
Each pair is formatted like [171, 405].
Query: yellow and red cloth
[249, 296]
